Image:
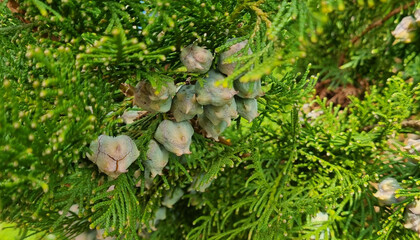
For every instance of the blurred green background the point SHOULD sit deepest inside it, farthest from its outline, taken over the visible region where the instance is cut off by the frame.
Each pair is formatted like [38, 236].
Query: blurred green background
[10, 232]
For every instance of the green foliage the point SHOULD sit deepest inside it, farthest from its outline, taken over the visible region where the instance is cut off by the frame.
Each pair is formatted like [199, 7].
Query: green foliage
[8, 231]
[348, 41]
[304, 166]
[66, 72]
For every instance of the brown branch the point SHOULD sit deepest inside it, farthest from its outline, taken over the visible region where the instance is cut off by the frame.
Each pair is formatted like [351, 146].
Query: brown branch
[224, 141]
[13, 6]
[15, 9]
[368, 128]
[127, 89]
[381, 21]
[414, 124]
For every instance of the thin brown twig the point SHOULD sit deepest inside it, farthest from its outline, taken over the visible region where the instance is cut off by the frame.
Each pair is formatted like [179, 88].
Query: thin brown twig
[260, 13]
[224, 141]
[381, 21]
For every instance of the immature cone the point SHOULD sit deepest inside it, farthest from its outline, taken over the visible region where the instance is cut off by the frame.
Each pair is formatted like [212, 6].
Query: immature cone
[196, 59]
[413, 146]
[212, 131]
[250, 89]
[100, 235]
[175, 137]
[209, 93]
[159, 215]
[148, 180]
[74, 209]
[157, 158]
[386, 191]
[153, 100]
[130, 116]
[113, 155]
[247, 108]
[414, 207]
[185, 105]
[320, 217]
[405, 30]
[171, 198]
[199, 185]
[412, 221]
[228, 68]
[218, 114]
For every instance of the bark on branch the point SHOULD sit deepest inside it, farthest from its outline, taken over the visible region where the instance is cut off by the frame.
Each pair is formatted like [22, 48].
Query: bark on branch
[414, 124]
[381, 21]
